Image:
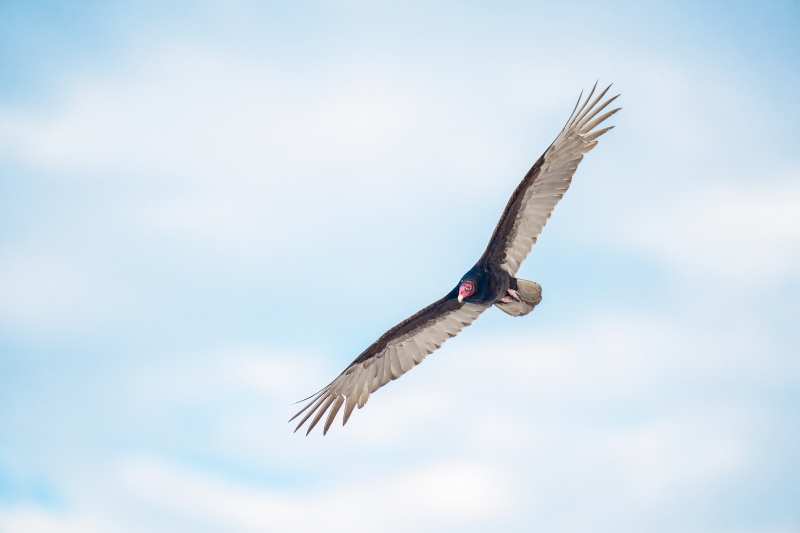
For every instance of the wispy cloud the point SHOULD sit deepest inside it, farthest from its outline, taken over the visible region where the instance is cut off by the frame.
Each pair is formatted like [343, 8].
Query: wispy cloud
[735, 235]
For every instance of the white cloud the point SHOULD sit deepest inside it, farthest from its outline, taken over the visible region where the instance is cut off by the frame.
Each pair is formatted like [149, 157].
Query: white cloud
[195, 115]
[30, 518]
[43, 292]
[152, 495]
[675, 457]
[268, 374]
[736, 235]
[239, 150]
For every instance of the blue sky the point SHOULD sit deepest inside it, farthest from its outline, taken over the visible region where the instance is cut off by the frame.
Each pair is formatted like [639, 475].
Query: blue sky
[208, 209]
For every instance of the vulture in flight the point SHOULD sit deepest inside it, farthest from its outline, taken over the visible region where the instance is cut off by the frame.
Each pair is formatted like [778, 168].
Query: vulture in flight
[490, 282]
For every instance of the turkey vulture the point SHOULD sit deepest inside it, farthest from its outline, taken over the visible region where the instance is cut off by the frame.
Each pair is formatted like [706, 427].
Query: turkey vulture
[490, 282]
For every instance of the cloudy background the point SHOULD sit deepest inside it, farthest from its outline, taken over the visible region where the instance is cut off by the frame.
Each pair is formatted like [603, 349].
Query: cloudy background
[208, 209]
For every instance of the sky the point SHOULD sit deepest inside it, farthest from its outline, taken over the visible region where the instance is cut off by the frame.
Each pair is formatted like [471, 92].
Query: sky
[208, 209]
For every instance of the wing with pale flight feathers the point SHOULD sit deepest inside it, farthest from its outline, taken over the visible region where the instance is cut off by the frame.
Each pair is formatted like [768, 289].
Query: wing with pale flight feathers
[545, 183]
[396, 352]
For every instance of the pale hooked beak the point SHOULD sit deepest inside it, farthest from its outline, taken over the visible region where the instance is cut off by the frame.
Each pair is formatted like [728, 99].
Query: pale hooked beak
[464, 292]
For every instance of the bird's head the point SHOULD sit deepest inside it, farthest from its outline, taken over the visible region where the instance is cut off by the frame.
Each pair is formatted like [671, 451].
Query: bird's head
[466, 289]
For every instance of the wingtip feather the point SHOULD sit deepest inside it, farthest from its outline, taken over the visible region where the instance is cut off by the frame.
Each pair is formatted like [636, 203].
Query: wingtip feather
[599, 120]
[320, 412]
[580, 118]
[348, 408]
[309, 404]
[332, 414]
[584, 103]
[591, 113]
[314, 405]
[574, 108]
[589, 137]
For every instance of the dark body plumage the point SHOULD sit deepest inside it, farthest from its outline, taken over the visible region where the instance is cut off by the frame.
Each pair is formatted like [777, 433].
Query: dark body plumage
[490, 282]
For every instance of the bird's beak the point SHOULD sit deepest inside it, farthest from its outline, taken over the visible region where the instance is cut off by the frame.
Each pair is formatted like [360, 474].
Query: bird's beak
[460, 298]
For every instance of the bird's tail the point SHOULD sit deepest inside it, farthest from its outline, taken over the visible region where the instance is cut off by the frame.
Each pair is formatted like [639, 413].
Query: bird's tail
[530, 293]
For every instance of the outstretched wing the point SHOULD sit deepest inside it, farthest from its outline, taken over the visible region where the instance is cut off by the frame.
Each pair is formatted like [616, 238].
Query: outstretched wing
[545, 183]
[396, 352]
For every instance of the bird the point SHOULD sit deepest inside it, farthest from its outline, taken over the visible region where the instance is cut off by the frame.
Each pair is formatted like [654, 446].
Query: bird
[491, 281]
